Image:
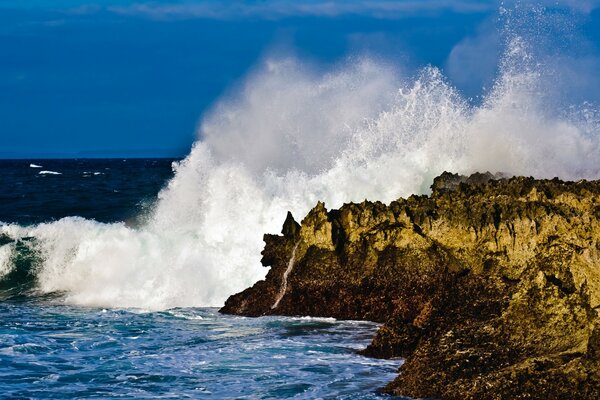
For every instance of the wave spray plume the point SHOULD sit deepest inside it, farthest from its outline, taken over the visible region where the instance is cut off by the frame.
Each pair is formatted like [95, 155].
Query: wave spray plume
[291, 136]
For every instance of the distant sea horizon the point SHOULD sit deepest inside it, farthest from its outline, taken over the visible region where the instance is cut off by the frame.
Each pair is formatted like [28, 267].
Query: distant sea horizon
[97, 154]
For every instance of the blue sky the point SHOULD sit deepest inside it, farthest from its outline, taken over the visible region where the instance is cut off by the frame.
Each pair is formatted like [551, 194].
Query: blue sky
[132, 78]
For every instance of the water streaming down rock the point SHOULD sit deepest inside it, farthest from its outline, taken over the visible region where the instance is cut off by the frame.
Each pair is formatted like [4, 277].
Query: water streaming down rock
[284, 283]
[290, 136]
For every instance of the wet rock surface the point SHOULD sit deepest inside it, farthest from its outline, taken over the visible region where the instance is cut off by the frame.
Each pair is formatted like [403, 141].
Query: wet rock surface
[489, 287]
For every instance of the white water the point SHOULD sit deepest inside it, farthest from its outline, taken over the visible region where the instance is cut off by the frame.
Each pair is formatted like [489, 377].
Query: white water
[6, 266]
[291, 136]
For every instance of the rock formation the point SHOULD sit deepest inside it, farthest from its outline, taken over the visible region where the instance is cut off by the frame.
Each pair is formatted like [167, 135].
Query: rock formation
[489, 287]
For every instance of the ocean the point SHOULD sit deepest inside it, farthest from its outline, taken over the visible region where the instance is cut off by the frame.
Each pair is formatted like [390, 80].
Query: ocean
[52, 347]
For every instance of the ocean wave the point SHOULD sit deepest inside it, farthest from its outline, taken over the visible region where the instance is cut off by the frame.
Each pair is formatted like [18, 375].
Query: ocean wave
[46, 172]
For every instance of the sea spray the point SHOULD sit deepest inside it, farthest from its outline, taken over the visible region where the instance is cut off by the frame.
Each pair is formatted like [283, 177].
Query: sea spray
[291, 136]
[6, 254]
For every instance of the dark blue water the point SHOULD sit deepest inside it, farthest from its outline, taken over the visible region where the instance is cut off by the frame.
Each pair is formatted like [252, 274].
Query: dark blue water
[49, 349]
[105, 190]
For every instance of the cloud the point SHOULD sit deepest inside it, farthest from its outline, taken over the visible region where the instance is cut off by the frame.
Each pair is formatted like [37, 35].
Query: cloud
[85, 9]
[473, 62]
[275, 9]
[582, 6]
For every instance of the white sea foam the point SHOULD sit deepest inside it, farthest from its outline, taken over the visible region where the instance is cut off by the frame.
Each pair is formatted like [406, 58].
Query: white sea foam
[6, 265]
[291, 136]
[45, 172]
[35, 166]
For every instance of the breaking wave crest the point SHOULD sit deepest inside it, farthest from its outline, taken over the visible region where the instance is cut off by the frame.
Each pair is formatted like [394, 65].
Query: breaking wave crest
[290, 136]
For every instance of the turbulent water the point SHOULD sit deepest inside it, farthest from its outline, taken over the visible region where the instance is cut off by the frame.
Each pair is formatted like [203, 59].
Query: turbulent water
[56, 351]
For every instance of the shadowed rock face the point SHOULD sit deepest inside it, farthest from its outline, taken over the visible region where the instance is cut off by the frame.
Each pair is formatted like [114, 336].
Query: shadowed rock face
[490, 288]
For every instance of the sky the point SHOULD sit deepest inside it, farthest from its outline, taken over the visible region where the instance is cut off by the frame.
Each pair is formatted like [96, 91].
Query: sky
[117, 78]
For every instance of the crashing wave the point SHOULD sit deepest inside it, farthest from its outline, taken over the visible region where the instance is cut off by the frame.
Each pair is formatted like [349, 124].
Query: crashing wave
[291, 136]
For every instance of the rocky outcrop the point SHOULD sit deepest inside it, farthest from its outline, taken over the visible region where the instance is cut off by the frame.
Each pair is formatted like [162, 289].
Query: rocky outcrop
[489, 288]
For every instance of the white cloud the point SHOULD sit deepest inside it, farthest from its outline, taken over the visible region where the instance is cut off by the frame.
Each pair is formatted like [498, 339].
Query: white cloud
[274, 9]
[472, 63]
[583, 6]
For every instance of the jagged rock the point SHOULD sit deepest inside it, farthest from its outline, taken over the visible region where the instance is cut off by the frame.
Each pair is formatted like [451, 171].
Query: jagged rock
[291, 228]
[449, 181]
[489, 287]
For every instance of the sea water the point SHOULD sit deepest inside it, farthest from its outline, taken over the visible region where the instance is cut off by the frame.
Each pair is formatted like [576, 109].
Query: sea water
[49, 350]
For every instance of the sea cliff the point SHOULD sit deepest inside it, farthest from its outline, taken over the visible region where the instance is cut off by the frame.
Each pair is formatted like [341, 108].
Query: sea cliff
[489, 287]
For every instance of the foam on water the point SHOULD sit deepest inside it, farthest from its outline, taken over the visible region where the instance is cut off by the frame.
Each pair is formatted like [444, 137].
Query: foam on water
[6, 254]
[49, 173]
[75, 352]
[291, 136]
